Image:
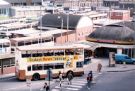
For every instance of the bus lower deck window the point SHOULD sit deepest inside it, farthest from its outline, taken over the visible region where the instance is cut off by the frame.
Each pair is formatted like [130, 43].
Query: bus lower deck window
[79, 64]
[29, 68]
[59, 66]
[26, 55]
[37, 67]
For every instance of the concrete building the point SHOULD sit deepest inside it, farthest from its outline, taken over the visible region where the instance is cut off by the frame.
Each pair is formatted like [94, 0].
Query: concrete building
[78, 27]
[122, 4]
[24, 2]
[120, 15]
[4, 8]
[118, 38]
[27, 11]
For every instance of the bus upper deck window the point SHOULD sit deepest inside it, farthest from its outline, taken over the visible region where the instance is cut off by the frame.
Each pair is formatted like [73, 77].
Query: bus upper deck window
[28, 43]
[34, 42]
[21, 44]
[6, 45]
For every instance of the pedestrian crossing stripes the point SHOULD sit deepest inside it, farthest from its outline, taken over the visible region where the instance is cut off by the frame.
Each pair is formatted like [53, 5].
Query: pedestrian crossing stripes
[76, 85]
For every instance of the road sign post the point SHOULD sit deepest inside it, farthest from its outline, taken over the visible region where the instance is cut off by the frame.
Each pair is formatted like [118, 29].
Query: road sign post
[28, 83]
[49, 76]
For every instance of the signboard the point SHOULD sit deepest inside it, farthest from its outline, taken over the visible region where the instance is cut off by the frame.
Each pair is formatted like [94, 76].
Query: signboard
[111, 59]
[52, 58]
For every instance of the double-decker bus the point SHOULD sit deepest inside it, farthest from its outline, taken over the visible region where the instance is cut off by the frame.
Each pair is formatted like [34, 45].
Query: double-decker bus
[33, 62]
[31, 41]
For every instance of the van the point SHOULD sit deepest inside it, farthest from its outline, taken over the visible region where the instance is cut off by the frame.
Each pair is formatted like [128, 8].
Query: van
[120, 58]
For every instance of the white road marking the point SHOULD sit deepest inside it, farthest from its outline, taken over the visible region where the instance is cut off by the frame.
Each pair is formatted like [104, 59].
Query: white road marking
[55, 90]
[72, 89]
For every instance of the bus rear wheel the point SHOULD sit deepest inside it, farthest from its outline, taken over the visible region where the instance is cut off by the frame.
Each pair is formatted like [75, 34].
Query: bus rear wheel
[36, 77]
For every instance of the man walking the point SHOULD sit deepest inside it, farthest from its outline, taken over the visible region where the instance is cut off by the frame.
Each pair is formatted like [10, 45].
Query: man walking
[69, 77]
[89, 79]
[99, 67]
[46, 87]
[60, 78]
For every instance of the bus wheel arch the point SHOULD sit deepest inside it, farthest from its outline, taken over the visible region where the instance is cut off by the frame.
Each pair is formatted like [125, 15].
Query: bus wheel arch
[70, 72]
[36, 76]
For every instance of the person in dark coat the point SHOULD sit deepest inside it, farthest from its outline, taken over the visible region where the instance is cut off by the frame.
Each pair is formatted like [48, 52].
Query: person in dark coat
[60, 78]
[46, 87]
[70, 77]
[89, 79]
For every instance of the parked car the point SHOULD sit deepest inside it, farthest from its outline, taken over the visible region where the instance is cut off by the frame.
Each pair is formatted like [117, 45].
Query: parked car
[120, 58]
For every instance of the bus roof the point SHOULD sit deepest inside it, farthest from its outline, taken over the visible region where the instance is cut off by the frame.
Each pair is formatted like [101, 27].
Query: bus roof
[24, 31]
[30, 38]
[4, 41]
[41, 47]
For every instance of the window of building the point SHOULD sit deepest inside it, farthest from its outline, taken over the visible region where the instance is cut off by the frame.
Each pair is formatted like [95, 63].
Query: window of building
[119, 14]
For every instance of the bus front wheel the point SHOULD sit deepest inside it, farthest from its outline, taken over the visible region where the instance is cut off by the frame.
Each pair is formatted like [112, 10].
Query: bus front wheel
[36, 77]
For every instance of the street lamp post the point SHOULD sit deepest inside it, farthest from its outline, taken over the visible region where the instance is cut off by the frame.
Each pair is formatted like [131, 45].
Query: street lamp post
[39, 41]
[67, 26]
[59, 17]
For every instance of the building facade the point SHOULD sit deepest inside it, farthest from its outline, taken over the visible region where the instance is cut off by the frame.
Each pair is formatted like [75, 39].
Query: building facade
[77, 27]
[122, 4]
[4, 8]
[118, 38]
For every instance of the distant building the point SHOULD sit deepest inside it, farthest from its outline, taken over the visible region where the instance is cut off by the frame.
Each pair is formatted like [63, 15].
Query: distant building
[118, 38]
[77, 26]
[120, 14]
[4, 8]
[27, 11]
[24, 2]
[122, 4]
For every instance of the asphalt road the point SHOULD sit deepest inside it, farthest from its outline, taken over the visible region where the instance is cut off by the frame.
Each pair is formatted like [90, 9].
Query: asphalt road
[107, 81]
[115, 81]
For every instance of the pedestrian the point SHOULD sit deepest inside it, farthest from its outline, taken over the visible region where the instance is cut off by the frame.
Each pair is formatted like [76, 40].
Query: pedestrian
[69, 78]
[60, 78]
[46, 87]
[99, 67]
[89, 79]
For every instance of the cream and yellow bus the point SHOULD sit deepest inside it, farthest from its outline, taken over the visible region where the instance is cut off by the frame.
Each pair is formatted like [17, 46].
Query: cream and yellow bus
[34, 61]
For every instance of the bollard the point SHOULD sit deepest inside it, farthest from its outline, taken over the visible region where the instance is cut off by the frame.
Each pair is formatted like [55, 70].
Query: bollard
[124, 64]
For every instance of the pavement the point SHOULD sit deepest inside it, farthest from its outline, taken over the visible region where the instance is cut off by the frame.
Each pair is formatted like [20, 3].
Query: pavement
[105, 66]
[93, 66]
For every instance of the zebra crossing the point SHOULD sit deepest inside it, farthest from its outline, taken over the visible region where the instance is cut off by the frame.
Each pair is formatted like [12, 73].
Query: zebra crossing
[77, 84]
